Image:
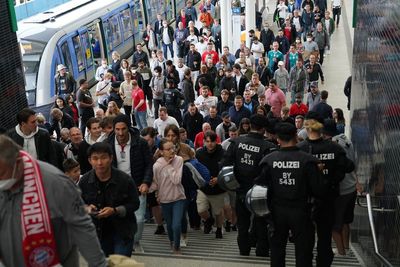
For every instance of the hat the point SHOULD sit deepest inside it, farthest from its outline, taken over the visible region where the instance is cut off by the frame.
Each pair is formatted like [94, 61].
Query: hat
[259, 120]
[312, 115]
[329, 127]
[61, 67]
[280, 63]
[314, 84]
[115, 84]
[225, 114]
[285, 129]
[122, 118]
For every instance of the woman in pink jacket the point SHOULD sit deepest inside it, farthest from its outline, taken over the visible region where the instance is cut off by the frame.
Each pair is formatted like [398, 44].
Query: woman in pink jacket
[167, 179]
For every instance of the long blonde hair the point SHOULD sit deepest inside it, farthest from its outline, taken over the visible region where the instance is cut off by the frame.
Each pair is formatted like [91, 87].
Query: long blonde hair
[117, 111]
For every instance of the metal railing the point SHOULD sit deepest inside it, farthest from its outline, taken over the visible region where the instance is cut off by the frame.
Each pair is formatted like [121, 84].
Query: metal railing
[375, 208]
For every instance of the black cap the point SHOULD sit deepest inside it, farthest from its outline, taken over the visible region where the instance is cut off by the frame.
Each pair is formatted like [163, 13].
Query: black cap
[312, 115]
[115, 84]
[329, 127]
[122, 118]
[225, 114]
[259, 120]
[285, 129]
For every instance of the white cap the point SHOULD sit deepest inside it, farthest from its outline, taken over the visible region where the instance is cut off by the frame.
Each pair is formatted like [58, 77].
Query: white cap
[280, 63]
[60, 67]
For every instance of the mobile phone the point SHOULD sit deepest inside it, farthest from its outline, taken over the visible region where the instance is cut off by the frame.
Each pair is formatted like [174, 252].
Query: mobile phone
[94, 213]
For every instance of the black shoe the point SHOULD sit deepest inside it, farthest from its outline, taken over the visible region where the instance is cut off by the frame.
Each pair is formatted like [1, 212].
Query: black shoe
[227, 226]
[244, 253]
[234, 228]
[160, 230]
[218, 233]
[208, 225]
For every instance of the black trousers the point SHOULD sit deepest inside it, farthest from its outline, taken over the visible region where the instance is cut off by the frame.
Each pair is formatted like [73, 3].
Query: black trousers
[243, 226]
[324, 218]
[298, 221]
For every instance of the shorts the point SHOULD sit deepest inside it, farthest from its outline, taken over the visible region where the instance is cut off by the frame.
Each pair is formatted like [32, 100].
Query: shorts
[230, 199]
[148, 93]
[216, 202]
[344, 210]
[152, 200]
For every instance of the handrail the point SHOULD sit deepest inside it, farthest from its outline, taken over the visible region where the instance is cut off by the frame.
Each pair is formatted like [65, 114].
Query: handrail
[374, 208]
[372, 225]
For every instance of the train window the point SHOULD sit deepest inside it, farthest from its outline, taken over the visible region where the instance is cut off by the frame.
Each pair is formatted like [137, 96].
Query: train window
[126, 23]
[67, 56]
[87, 48]
[115, 30]
[108, 33]
[153, 7]
[79, 57]
[96, 42]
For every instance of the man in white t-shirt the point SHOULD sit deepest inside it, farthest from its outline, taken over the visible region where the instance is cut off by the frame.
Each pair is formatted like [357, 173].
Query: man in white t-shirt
[203, 102]
[181, 68]
[163, 121]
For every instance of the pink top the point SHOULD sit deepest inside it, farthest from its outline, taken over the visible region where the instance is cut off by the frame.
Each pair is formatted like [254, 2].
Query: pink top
[167, 179]
[275, 99]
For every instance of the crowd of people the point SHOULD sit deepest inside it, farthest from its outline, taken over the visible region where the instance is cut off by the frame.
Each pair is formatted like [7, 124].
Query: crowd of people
[259, 108]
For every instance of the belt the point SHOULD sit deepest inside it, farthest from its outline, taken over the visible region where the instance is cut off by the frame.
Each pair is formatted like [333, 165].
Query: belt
[337, 7]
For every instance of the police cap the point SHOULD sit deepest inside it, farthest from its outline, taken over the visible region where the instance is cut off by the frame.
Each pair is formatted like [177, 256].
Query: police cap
[314, 84]
[285, 130]
[115, 84]
[312, 115]
[271, 125]
[258, 120]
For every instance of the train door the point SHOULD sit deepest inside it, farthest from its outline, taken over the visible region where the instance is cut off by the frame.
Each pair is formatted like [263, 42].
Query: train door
[86, 51]
[138, 20]
[71, 55]
[96, 40]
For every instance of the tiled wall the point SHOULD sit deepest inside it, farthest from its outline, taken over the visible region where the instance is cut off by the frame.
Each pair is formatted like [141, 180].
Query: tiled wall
[375, 123]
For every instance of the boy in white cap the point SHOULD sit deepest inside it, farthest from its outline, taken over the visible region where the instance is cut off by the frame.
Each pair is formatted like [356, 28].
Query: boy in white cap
[281, 76]
[64, 82]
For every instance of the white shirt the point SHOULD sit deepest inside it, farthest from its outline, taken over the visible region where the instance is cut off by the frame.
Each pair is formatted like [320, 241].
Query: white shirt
[336, 3]
[257, 49]
[181, 72]
[123, 156]
[160, 125]
[296, 22]
[201, 47]
[165, 36]
[203, 104]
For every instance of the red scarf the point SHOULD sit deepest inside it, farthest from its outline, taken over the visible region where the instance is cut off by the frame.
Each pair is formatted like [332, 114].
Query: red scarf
[38, 243]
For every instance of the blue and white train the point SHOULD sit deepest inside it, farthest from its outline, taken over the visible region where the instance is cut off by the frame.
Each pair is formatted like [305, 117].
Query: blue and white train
[78, 34]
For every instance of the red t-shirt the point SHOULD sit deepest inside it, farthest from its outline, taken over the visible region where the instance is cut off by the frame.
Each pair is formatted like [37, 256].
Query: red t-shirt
[298, 110]
[199, 140]
[214, 56]
[137, 95]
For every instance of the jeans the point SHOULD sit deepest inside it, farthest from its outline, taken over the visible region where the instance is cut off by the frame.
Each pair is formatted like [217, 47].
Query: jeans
[171, 49]
[173, 213]
[140, 217]
[112, 243]
[141, 120]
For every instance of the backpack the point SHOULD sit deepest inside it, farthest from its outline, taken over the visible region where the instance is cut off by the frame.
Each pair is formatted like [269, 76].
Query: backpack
[200, 174]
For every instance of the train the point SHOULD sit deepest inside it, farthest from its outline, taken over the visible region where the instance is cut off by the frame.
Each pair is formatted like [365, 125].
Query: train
[78, 34]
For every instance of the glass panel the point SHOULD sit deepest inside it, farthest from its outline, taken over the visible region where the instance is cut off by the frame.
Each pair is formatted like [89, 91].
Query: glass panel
[108, 33]
[67, 56]
[96, 42]
[115, 30]
[79, 57]
[126, 23]
[153, 7]
[87, 48]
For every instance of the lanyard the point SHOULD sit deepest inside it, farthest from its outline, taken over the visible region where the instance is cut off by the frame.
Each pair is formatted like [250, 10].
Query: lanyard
[122, 153]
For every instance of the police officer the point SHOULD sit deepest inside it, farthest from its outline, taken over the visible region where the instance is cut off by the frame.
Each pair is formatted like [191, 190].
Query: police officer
[292, 176]
[172, 98]
[245, 153]
[335, 165]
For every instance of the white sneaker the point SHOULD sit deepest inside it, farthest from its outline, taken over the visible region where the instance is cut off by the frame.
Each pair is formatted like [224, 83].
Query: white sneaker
[138, 248]
[183, 242]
